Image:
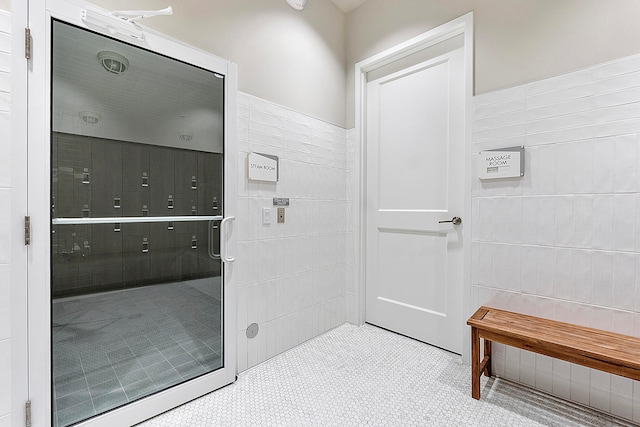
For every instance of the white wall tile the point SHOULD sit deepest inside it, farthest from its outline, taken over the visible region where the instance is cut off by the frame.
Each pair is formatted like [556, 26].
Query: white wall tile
[545, 266]
[582, 277]
[580, 384]
[583, 221]
[546, 220]
[5, 376]
[5, 159]
[624, 280]
[573, 220]
[530, 214]
[5, 231]
[544, 373]
[626, 164]
[561, 385]
[622, 397]
[582, 155]
[600, 391]
[602, 222]
[560, 95]
[564, 221]
[545, 173]
[602, 293]
[528, 368]
[624, 222]
[5, 301]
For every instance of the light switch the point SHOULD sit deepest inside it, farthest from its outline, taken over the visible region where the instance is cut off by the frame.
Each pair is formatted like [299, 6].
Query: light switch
[266, 216]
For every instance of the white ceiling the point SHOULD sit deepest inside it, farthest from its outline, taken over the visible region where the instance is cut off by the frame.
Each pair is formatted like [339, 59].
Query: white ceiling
[348, 5]
[154, 100]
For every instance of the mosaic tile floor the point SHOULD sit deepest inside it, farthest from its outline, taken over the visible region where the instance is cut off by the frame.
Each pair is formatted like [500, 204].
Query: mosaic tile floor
[355, 376]
[113, 348]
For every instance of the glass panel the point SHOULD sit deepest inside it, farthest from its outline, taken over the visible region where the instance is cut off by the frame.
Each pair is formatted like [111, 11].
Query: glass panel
[136, 302]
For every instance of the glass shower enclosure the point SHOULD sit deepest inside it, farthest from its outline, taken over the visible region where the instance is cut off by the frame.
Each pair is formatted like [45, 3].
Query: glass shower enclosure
[137, 159]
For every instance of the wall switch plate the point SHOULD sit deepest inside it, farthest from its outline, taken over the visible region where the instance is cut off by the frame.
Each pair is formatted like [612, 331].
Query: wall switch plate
[280, 215]
[266, 216]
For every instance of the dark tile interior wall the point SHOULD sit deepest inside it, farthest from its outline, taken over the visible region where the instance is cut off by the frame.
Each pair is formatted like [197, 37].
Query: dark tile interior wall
[93, 177]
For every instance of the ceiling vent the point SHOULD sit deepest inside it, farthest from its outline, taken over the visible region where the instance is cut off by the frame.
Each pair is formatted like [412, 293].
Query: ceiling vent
[113, 62]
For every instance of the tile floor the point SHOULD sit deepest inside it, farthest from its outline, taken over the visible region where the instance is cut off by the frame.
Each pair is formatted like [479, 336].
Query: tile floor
[116, 347]
[354, 376]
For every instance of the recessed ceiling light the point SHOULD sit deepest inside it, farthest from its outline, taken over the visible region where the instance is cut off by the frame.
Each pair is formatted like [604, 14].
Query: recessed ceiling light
[89, 117]
[113, 62]
[186, 136]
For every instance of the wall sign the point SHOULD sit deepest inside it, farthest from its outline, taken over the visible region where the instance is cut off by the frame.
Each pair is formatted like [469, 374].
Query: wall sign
[263, 167]
[501, 163]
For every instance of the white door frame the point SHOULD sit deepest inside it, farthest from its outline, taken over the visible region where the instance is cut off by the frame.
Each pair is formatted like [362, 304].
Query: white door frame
[459, 26]
[30, 148]
[19, 174]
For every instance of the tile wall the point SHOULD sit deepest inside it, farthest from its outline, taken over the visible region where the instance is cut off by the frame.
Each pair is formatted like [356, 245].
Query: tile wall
[563, 242]
[291, 276]
[5, 219]
[353, 223]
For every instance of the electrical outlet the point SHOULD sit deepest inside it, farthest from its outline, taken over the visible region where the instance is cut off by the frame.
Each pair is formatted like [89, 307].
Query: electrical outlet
[280, 215]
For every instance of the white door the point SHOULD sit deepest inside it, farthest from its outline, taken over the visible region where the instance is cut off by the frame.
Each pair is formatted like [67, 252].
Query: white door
[131, 311]
[415, 179]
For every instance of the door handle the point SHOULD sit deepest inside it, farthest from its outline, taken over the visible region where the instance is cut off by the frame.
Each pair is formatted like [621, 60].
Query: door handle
[212, 227]
[456, 220]
[223, 239]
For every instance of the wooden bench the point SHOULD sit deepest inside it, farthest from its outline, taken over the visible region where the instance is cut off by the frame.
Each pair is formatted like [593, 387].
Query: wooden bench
[606, 351]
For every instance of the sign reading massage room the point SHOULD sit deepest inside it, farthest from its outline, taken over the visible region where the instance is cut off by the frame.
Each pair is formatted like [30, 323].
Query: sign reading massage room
[262, 167]
[502, 163]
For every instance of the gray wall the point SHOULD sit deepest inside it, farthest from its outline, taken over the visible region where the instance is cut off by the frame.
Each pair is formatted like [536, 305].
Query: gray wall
[516, 41]
[295, 59]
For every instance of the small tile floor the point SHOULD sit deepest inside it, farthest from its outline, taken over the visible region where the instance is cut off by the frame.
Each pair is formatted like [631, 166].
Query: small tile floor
[113, 348]
[355, 376]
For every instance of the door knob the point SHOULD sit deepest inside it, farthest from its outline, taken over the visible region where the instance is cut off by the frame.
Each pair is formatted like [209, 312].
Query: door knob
[456, 220]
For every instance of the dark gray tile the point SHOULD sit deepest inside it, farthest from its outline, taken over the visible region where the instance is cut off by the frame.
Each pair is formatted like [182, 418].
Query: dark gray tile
[132, 377]
[180, 359]
[190, 370]
[70, 387]
[104, 388]
[72, 399]
[110, 400]
[67, 378]
[173, 352]
[120, 355]
[127, 366]
[151, 359]
[94, 359]
[75, 413]
[100, 375]
[139, 389]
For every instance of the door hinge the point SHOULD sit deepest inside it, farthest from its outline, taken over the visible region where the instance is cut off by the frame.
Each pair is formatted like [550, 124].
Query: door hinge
[27, 230]
[27, 407]
[27, 43]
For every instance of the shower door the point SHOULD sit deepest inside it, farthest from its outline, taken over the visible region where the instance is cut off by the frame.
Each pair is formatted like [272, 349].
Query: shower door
[137, 302]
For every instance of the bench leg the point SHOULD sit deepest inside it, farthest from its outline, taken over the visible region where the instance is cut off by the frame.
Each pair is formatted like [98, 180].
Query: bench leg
[475, 363]
[487, 357]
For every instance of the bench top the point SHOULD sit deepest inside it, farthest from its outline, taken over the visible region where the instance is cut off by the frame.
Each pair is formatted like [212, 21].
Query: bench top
[536, 332]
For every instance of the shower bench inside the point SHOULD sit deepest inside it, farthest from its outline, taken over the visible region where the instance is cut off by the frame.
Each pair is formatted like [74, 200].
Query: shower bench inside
[605, 351]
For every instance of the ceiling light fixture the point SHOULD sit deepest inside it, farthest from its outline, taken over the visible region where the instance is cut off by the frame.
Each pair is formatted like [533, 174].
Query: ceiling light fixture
[297, 4]
[186, 136]
[113, 62]
[89, 117]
